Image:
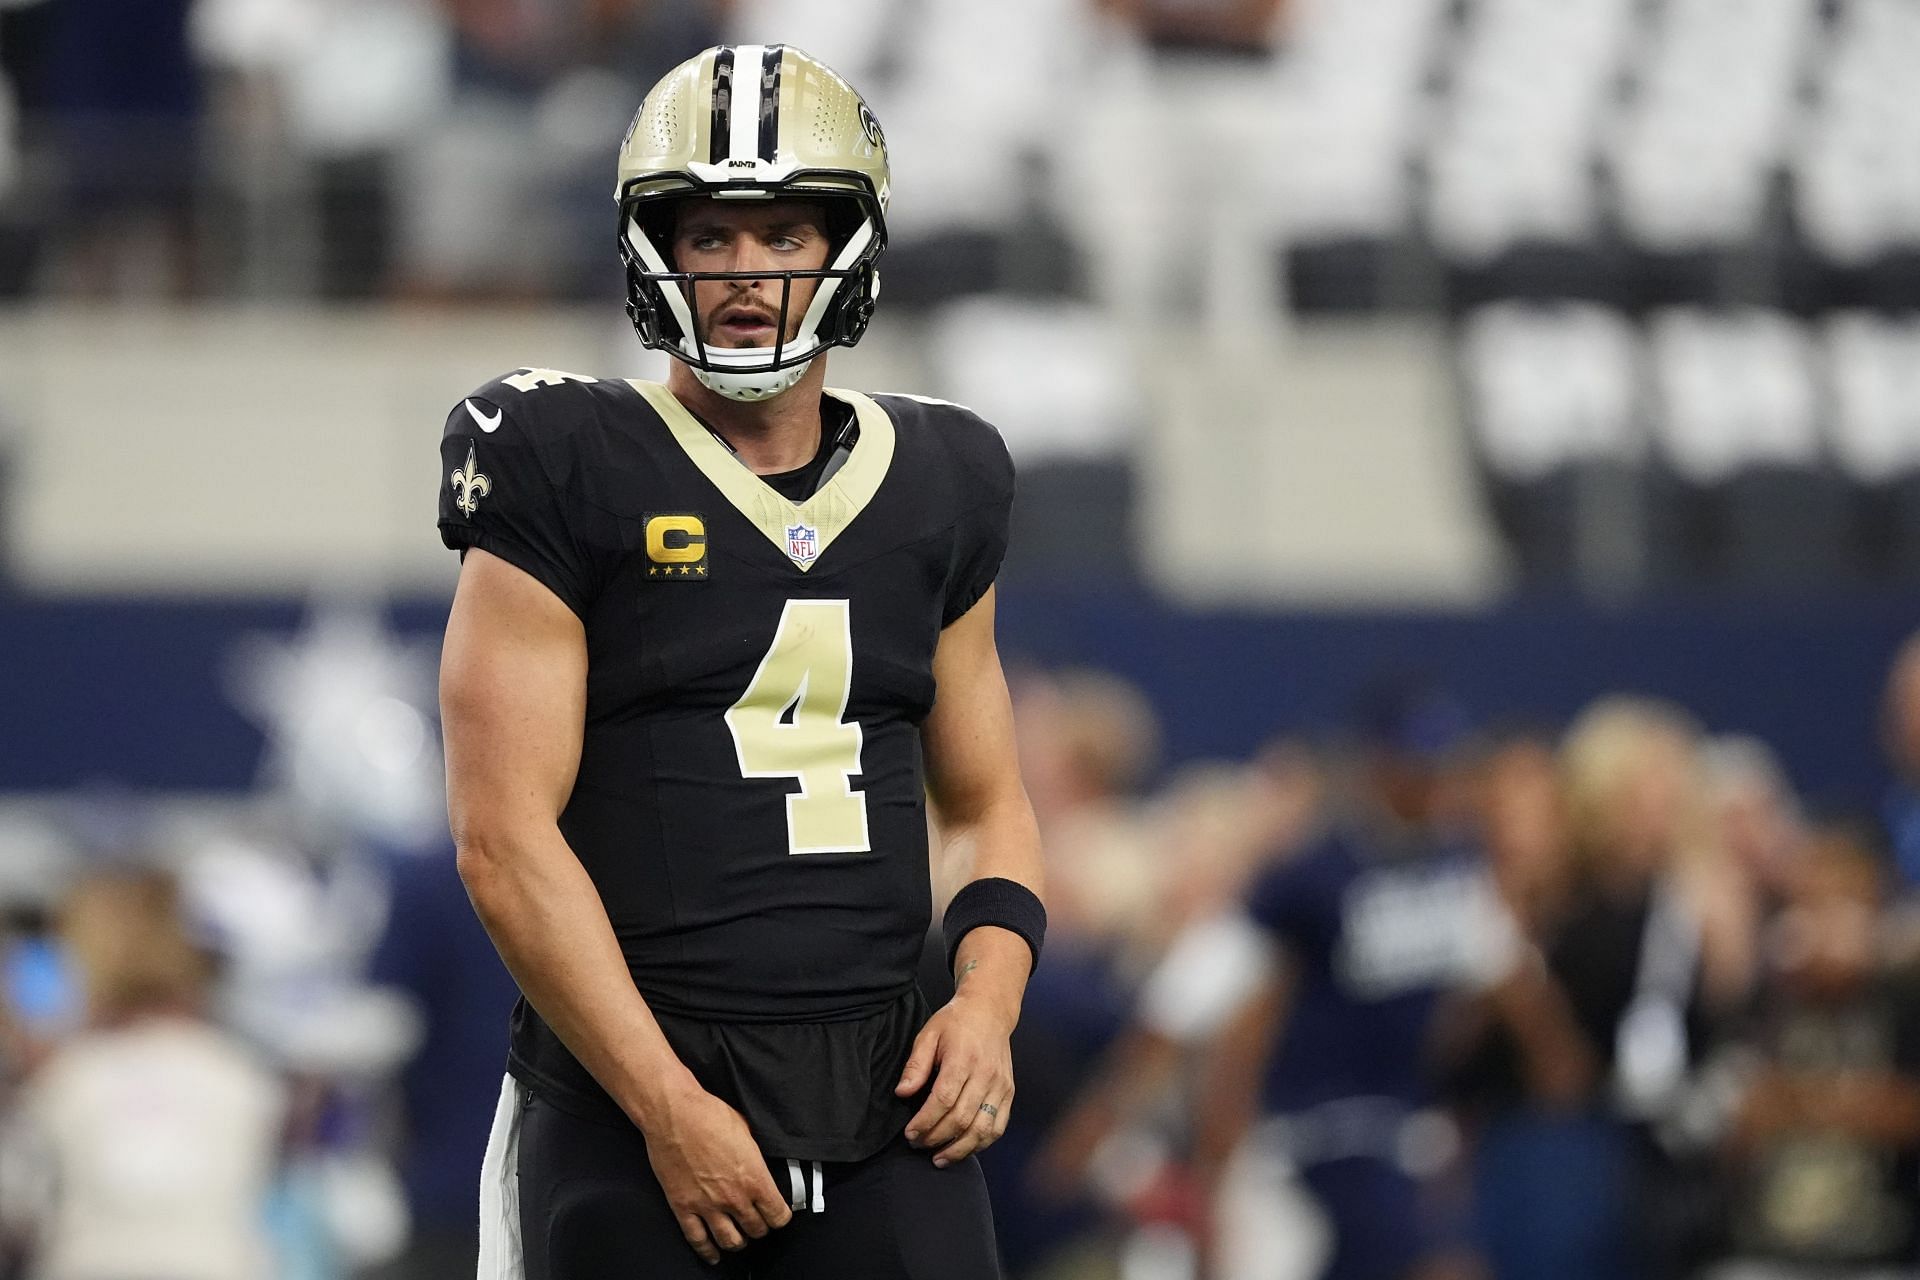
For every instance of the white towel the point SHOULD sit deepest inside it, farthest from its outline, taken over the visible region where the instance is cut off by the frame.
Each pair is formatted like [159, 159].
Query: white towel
[500, 1253]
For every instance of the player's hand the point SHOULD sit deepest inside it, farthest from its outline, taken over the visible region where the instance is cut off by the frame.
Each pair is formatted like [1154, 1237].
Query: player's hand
[966, 1043]
[714, 1176]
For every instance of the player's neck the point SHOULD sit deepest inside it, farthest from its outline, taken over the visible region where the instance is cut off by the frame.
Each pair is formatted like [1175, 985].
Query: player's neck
[769, 436]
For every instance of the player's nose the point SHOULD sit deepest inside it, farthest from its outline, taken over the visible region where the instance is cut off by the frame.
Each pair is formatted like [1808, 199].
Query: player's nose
[750, 255]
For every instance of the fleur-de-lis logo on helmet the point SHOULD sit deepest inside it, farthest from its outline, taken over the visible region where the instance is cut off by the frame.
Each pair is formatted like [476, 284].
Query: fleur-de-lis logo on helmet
[469, 486]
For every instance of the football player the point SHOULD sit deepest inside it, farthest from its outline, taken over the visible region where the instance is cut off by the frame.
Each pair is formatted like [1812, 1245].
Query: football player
[714, 643]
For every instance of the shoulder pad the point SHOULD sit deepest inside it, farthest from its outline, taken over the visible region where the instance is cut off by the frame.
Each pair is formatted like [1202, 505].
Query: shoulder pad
[527, 381]
[967, 437]
[522, 399]
[927, 400]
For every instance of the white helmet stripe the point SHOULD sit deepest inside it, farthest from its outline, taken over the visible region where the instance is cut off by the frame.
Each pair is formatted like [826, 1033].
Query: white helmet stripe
[743, 126]
[676, 302]
[722, 103]
[831, 286]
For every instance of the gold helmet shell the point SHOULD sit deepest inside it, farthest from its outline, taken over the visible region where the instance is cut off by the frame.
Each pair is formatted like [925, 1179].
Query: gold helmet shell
[753, 122]
[758, 115]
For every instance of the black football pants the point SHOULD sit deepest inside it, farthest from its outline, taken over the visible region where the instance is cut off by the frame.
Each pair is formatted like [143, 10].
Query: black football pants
[590, 1209]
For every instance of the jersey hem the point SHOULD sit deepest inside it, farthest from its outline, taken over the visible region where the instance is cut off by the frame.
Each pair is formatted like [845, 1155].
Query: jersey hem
[955, 612]
[663, 1005]
[774, 1143]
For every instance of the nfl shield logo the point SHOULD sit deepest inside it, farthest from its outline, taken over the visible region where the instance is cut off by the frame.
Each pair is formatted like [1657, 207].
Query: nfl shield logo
[803, 543]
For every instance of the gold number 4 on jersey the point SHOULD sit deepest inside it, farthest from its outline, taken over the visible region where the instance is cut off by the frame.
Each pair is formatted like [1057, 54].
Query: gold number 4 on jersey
[788, 724]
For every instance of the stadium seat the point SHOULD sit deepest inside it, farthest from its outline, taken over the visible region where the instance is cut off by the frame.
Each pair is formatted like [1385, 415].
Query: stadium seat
[1352, 91]
[1742, 490]
[1702, 137]
[1512, 157]
[1873, 365]
[1060, 382]
[1856, 170]
[1552, 405]
[1510, 163]
[965, 118]
[1057, 378]
[1351, 84]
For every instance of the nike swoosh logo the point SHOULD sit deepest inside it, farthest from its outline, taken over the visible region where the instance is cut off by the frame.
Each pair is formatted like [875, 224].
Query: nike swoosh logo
[487, 424]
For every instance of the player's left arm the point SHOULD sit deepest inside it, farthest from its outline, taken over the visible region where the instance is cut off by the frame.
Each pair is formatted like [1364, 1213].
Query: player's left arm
[987, 823]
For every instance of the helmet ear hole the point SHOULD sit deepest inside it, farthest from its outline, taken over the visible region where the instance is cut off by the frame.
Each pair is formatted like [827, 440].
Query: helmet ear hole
[648, 307]
[657, 222]
[844, 218]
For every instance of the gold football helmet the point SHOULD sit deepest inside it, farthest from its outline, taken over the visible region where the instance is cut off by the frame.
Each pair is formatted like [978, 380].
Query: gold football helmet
[753, 122]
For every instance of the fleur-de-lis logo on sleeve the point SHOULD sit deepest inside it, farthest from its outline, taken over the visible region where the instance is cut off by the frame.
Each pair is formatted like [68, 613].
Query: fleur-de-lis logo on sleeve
[469, 486]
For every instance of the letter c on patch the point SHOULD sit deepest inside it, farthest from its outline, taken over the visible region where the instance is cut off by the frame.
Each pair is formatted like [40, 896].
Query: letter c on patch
[676, 539]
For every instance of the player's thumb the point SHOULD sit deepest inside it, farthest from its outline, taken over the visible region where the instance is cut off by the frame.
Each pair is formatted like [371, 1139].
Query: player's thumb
[919, 1062]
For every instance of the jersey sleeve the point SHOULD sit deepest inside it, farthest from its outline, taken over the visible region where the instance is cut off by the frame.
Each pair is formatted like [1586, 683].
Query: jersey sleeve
[1208, 972]
[1279, 902]
[497, 493]
[983, 530]
[1286, 902]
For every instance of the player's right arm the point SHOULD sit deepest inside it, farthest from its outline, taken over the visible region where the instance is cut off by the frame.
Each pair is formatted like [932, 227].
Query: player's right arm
[513, 680]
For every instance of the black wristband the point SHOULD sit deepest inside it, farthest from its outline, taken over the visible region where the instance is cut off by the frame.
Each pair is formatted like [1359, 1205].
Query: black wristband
[1007, 904]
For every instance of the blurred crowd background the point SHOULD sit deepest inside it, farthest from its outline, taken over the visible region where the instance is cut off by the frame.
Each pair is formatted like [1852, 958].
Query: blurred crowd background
[1460, 614]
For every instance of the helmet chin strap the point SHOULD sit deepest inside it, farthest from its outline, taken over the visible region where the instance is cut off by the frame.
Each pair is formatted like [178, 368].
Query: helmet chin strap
[755, 381]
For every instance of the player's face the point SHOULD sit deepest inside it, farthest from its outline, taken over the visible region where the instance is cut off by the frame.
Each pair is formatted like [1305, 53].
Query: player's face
[737, 235]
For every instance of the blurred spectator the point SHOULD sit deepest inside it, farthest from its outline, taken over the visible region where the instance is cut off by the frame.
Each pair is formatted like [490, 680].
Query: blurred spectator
[1900, 734]
[509, 194]
[38, 1009]
[1824, 1146]
[435, 950]
[1523, 822]
[1660, 932]
[1547, 1176]
[314, 106]
[1207, 26]
[1656, 945]
[1191, 233]
[1220, 822]
[9, 134]
[1756, 817]
[1087, 743]
[150, 1140]
[112, 105]
[1087, 740]
[1372, 926]
[16, 242]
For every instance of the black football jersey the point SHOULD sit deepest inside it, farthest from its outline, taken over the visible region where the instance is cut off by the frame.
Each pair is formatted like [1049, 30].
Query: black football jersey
[749, 801]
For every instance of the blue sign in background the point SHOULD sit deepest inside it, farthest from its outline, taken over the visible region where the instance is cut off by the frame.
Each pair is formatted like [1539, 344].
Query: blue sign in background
[131, 692]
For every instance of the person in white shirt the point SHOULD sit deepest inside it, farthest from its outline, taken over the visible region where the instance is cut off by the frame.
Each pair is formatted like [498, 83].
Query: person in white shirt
[151, 1138]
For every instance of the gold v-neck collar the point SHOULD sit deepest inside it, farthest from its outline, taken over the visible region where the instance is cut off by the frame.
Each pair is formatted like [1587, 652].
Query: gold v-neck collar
[831, 508]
